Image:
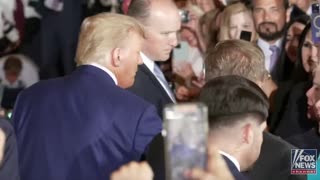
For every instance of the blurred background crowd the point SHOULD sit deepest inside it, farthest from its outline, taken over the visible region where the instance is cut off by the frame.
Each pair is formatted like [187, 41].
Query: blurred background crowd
[38, 41]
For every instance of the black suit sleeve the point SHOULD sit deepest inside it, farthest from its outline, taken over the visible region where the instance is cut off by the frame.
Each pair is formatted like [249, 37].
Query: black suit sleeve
[9, 169]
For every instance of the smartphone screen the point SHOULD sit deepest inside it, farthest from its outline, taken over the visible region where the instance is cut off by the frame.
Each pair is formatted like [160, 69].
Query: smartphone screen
[186, 127]
[246, 35]
[180, 53]
[315, 23]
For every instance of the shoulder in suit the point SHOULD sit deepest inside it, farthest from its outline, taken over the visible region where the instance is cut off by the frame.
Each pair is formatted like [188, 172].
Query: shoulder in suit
[307, 140]
[274, 162]
[148, 87]
[9, 166]
[79, 124]
[233, 169]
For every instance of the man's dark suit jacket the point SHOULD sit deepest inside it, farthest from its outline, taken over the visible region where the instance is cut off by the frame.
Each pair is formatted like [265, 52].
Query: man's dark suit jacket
[294, 118]
[9, 168]
[274, 162]
[233, 169]
[307, 140]
[148, 87]
[81, 127]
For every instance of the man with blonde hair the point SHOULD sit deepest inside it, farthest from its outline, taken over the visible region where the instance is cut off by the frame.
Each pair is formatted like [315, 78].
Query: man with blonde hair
[242, 58]
[236, 57]
[85, 125]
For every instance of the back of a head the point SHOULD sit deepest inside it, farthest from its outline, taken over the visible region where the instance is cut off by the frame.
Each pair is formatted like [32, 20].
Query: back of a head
[139, 9]
[103, 32]
[143, 9]
[231, 99]
[235, 57]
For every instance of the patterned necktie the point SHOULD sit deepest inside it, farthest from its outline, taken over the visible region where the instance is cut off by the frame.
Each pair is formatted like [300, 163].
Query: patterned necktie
[274, 56]
[160, 76]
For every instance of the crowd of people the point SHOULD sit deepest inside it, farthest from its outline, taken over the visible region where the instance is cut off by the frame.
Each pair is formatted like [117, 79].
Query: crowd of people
[109, 68]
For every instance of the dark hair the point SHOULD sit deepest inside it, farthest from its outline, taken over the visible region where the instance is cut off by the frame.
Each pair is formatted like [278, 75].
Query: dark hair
[139, 9]
[285, 66]
[230, 99]
[249, 3]
[299, 73]
[13, 65]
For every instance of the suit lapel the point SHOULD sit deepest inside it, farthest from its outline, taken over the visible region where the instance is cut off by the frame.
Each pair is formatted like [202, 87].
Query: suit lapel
[155, 81]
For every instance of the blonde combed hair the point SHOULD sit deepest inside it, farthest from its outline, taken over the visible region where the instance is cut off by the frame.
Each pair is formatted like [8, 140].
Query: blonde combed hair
[101, 33]
[235, 57]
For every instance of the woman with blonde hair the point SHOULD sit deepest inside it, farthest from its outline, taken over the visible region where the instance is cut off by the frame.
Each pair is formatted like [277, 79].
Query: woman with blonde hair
[237, 23]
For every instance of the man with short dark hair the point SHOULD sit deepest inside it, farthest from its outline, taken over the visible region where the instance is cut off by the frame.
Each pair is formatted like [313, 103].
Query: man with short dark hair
[270, 17]
[238, 110]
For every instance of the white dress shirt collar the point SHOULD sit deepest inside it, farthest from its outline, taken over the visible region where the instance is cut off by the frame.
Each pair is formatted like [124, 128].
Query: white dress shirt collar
[265, 45]
[150, 65]
[232, 159]
[105, 70]
[148, 62]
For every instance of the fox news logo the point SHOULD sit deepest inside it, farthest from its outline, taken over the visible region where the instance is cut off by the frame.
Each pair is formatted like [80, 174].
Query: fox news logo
[303, 161]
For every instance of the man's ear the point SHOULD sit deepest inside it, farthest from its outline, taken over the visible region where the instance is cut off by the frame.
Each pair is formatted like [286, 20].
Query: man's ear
[247, 133]
[115, 57]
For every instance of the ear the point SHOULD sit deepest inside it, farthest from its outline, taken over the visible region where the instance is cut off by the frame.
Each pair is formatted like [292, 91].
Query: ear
[247, 133]
[264, 126]
[115, 57]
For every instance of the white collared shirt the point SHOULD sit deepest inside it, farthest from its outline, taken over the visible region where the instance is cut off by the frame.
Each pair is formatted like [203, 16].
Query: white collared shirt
[232, 159]
[265, 47]
[105, 70]
[150, 65]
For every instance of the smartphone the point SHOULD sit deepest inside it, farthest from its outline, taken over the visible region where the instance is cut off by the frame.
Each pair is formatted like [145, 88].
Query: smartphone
[185, 133]
[246, 35]
[180, 53]
[315, 23]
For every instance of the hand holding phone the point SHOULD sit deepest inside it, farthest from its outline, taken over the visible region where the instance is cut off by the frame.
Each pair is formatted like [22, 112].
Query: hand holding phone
[186, 133]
